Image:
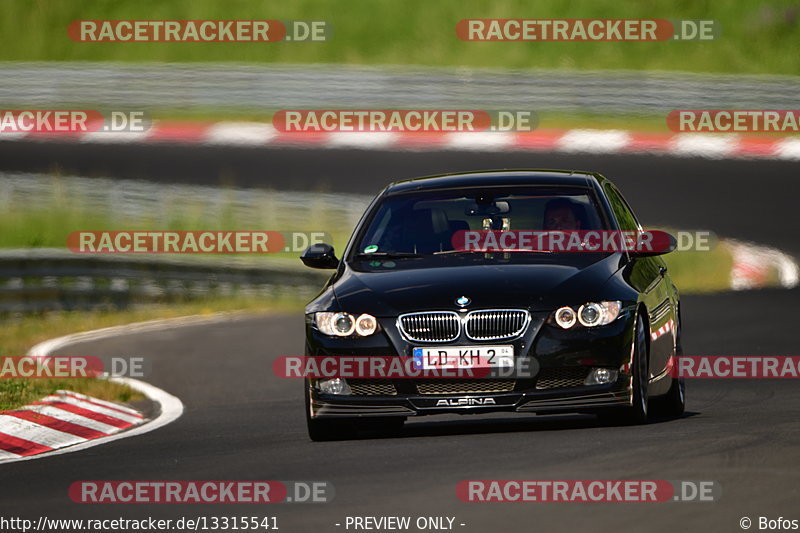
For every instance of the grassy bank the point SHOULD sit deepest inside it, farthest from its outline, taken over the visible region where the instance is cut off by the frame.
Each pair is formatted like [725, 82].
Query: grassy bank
[701, 272]
[757, 37]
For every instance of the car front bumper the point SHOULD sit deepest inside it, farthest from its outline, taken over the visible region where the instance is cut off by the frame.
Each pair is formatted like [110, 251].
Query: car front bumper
[543, 346]
[575, 399]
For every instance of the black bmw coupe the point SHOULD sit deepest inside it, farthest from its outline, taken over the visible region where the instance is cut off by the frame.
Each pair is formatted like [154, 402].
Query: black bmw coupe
[597, 330]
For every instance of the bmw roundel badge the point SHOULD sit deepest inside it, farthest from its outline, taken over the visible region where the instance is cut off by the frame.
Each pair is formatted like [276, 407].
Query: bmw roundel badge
[463, 301]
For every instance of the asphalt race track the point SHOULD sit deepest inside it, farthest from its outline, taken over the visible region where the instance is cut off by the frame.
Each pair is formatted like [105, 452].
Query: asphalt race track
[243, 423]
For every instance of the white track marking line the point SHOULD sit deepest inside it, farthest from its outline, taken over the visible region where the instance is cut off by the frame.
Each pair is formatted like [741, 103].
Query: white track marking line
[594, 141]
[13, 135]
[47, 347]
[361, 139]
[478, 140]
[240, 133]
[4, 455]
[704, 145]
[24, 429]
[116, 137]
[788, 148]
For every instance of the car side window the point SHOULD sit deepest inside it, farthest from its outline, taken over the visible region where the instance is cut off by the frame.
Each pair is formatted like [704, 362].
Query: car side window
[625, 217]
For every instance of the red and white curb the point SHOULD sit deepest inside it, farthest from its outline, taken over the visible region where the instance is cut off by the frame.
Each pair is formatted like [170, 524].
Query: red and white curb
[68, 422]
[753, 264]
[60, 420]
[593, 141]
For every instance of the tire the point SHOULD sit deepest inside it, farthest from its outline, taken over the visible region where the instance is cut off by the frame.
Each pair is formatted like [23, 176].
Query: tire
[393, 427]
[330, 429]
[673, 403]
[638, 412]
[390, 426]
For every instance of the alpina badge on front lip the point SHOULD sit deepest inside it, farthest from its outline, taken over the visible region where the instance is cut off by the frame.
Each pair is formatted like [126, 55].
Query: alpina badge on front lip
[463, 301]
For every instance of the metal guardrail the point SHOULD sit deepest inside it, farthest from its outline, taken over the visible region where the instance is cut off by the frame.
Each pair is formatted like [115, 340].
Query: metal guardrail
[46, 279]
[153, 204]
[271, 87]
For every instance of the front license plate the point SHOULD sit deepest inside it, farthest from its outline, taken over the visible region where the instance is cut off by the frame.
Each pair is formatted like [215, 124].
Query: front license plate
[445, 357]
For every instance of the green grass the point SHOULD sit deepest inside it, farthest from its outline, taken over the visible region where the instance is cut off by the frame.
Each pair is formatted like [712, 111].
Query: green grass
[15, 393]
[757, 36]
[701, 272]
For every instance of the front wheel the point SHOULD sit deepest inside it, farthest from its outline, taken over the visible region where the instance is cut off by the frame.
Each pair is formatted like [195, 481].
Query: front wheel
[384, 427]
[673, 403]
[329, 429]
[637, 412]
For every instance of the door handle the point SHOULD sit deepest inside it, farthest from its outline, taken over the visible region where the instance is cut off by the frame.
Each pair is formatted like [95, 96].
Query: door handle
[662, 270]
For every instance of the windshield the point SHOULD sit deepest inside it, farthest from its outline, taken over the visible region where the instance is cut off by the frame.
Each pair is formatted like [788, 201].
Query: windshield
[414, 225]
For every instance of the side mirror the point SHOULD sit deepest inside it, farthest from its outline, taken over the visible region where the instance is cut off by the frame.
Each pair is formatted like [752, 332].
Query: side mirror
[320, 256]
[659, 243]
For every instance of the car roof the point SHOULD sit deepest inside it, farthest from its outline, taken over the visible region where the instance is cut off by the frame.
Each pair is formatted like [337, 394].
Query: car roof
[493, 178]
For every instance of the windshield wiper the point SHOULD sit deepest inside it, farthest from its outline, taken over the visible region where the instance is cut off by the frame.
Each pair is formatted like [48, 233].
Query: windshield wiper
[387, 255]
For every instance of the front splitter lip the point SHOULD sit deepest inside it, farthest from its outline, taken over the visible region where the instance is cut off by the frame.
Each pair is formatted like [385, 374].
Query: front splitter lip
[585, 399]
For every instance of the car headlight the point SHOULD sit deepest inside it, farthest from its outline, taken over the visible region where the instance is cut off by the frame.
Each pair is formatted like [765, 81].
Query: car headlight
[565, 317]
[341, 324]
[589, 314]
[366, 325]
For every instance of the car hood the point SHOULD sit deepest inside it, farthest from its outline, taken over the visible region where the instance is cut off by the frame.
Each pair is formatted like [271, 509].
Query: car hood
[536, 286]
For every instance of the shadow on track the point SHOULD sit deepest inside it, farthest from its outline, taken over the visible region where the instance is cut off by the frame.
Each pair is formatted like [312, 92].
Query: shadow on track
[507, 425]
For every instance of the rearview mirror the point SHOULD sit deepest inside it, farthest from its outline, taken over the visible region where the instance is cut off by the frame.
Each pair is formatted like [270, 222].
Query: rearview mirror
[488, 209]
[320, 256]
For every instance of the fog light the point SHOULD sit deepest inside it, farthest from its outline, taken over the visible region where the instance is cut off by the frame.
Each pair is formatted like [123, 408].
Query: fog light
[601, 376]
[334, 386]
